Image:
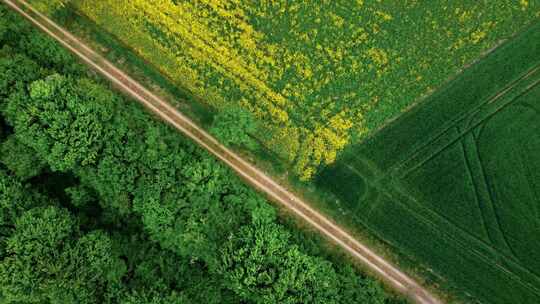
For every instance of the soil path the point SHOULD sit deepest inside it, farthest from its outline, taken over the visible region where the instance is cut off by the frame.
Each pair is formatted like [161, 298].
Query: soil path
[252, 175]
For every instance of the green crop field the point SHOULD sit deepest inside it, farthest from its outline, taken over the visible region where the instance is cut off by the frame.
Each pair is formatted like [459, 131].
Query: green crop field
[454, 184]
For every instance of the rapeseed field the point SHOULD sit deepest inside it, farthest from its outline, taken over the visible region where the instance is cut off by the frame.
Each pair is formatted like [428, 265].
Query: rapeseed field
[317, 75]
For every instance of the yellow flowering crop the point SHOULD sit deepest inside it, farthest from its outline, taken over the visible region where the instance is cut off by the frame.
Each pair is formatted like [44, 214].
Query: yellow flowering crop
[315, 73]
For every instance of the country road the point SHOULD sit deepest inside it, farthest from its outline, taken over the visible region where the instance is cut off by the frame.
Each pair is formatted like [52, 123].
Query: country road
[401, 282]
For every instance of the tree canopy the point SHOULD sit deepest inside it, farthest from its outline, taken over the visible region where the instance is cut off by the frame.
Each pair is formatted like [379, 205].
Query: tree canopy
[63, 119]
[260, 264]
[48, 260]
[235, 126]
[20, 159]
[101, 203]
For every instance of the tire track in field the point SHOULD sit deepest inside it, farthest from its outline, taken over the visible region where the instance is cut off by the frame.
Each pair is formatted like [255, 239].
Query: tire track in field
[484, 197]
[252, 175]
[464, 233]
[458, 243]
[397, 167]
[448, 125]
[489, 185]
[477, 197]
[491, 200]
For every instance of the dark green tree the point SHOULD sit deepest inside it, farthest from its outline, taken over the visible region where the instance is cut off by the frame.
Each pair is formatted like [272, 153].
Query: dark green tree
[3, 26]
[160, 276]
[81, 196]
[49, 261]
[16, 72]
[50, 54]
[187, 210]
[358, 289]
[20, 159]
[15, 198]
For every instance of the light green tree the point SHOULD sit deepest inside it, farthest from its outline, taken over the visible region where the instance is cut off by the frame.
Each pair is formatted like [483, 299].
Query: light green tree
[235, 126]
[261, 265]
[63, 120]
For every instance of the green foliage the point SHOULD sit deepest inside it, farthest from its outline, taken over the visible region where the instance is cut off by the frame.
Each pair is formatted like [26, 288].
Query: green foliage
[3, 25]
[16, 72]
[261, 265]
[158, 276]
[136, 214]
[49, 53]
[71, 269]
[355, 289]
[188, 216]
[14, 199]
[80, 195]
[64, 120]
[19, 159]
[235, 126]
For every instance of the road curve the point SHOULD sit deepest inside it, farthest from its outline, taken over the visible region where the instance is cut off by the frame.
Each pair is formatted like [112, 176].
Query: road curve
[277, 193]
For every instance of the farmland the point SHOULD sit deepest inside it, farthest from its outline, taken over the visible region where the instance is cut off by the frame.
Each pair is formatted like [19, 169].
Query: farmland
[450, 185]
[316, 76]
[102, 203]
[453, 184]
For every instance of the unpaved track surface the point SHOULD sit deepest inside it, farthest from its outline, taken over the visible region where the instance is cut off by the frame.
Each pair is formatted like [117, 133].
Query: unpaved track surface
[255, 177]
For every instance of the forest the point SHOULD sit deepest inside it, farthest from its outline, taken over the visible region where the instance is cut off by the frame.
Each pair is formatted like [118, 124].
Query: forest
[102, 203]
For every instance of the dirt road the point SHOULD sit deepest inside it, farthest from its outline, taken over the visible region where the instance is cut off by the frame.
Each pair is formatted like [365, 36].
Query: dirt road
[277, 193]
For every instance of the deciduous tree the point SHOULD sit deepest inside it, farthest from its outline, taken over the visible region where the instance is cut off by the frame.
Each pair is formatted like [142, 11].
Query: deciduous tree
[261, 265]
[49, 261]
[235, 126]
[20, 159]
[63, 119]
